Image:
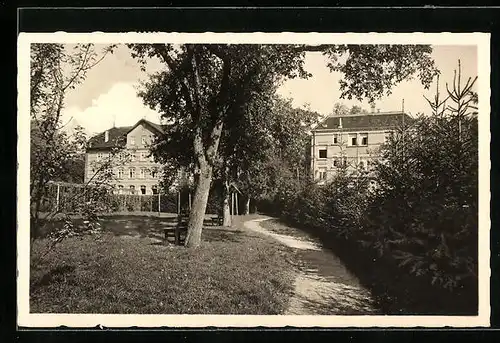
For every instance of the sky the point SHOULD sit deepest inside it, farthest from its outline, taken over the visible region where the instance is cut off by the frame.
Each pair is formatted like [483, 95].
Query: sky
[108, 96]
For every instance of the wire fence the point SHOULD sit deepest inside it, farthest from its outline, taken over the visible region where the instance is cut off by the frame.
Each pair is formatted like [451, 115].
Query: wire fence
[65, 197]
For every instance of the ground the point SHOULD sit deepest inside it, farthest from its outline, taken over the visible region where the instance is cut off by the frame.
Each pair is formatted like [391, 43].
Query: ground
[259, 266]
[129, 270]
[323, 285]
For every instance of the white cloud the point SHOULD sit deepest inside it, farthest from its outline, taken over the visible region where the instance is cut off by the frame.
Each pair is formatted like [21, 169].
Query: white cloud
[120, 103]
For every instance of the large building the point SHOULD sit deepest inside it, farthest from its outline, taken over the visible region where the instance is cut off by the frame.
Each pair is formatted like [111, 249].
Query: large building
[135, 171]
[351, 140]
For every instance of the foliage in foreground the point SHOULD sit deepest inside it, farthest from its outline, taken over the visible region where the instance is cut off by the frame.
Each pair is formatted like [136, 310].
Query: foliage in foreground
[119, 274]
[54, 71]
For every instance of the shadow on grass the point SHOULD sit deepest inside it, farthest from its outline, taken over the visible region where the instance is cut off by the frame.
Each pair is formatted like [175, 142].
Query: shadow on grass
[127, 225]
[55, 275]
[221, 235]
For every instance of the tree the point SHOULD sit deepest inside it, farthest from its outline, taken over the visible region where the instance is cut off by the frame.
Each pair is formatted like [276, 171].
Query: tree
[243, 145]
[427, 182]
[203, 87]
[287, 132]
[357, 110]
[340, 109]
[54, 71]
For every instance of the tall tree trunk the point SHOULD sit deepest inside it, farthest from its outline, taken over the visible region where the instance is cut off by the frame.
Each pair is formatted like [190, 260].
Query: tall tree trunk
[205, 157]
[226, 211]
[199, 205]
[246, 205]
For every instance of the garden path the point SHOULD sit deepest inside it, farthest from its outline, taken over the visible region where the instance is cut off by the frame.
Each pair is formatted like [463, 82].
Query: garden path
[323, 285]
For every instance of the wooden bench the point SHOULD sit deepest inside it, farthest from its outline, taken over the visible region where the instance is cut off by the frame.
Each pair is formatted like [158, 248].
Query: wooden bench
[178, 232]
[217, 221]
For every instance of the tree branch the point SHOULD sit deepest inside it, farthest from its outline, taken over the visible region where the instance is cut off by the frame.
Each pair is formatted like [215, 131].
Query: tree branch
[198, 146]
[162, 50]
[196, 84]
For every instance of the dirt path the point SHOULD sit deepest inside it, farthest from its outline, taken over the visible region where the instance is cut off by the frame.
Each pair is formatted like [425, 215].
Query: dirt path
[323, 285]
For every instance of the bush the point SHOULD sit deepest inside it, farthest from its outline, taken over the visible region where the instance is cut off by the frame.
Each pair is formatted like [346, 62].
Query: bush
[424, 213]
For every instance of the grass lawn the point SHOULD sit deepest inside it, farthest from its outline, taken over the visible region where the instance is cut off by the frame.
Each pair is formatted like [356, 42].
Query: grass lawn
[232, 272]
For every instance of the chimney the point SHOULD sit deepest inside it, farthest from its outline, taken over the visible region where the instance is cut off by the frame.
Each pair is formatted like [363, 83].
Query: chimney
[106, 136]
[340, 122]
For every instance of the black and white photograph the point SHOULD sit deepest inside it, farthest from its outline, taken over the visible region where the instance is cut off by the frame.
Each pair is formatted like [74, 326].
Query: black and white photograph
[253, 179]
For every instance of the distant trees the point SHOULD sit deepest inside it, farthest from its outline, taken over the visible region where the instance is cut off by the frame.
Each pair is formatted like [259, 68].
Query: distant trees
[355, 109]
[285, 156]
[340, 109]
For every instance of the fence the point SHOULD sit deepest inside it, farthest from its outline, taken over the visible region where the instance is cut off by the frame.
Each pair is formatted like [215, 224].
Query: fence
[60, 196]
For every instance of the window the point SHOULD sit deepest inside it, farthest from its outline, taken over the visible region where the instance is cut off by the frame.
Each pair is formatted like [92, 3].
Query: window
[144, 140]
[120, 173]
[364, 139]
[143, 189]
[322, 174]
[132, 189]
[132, 140]
[120, 189]
[143, 173]
[100, 156]
[153, 173]
[353, 140]
[335, 139]
[154, 189]
[144, 156]
[131, 173]
[322, 153]
[335, 163]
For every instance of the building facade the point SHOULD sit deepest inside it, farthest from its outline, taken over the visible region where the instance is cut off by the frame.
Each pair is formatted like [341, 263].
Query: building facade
[134, 169]
[352, 141]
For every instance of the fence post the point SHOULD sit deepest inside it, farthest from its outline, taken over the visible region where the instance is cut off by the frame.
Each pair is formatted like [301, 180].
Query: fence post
[232, 203]
[57, 197]
[178, 202]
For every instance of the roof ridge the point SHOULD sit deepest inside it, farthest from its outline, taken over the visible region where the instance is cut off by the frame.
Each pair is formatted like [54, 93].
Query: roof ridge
[368, 114]
[363, 120]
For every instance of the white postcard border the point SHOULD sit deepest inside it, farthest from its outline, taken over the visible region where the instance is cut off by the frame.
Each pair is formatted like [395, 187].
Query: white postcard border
[26, 319]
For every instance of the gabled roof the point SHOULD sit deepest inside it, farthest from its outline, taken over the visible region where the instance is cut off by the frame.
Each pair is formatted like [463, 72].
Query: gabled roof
[156, 127]
[377, 120]
[118, 135]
